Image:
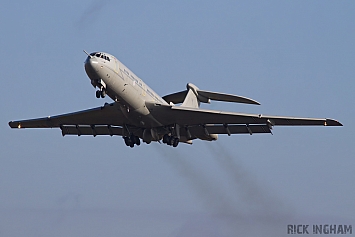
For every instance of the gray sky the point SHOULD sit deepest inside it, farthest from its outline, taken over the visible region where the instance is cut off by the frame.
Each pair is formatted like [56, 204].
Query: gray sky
[295, 57]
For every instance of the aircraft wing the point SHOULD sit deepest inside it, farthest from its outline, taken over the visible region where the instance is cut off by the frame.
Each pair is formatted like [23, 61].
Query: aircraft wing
[104, 120]
[108, 120]
[191, 116]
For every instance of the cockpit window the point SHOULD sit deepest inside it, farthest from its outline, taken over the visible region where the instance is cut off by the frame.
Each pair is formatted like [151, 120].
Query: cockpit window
[100, 55]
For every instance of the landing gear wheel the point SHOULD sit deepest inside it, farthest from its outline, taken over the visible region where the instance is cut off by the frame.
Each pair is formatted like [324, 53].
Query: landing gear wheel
[165, 138]
[98, 94]
[135, 140]
[103, 93]
[126, 141]
[171, 141]
[175, 142]
[138, 141]
[132, 140]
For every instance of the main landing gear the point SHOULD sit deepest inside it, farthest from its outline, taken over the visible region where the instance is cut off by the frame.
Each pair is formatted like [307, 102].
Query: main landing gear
[170, 140]
[101, 93]
[132, 140]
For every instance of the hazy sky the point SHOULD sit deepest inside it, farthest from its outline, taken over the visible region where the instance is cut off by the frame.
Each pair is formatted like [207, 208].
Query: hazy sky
[295, 57]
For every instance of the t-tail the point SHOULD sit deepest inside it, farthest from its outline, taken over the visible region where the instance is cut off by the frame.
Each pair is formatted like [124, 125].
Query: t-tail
[193, 96]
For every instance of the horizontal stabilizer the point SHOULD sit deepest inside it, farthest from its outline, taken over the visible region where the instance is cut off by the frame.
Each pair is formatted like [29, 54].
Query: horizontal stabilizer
[206, 96]
[227, 97]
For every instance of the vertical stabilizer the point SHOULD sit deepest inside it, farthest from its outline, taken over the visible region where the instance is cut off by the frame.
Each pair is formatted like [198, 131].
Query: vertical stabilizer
[191, 99]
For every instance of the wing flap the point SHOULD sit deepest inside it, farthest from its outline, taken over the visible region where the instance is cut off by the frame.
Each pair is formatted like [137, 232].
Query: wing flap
[237, 129]
[91, 130]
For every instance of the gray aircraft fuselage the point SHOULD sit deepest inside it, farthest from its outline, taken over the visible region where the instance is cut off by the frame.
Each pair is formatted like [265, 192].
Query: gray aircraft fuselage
[122, 85]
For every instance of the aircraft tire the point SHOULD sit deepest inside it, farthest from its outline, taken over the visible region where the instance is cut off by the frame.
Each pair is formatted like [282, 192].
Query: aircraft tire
[126, 141]
[138, 141]
[98, 94]
[165, 138]
[103, 93]
[171, 141]
[135, 140]
[176, 142]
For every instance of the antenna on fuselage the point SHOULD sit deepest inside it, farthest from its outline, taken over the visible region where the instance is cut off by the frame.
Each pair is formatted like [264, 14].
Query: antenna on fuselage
[87, 54]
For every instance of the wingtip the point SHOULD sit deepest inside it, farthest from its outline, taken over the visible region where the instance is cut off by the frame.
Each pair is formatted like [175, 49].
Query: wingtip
[12, 124]
[332, 122]
[249, 101]
[15, 124]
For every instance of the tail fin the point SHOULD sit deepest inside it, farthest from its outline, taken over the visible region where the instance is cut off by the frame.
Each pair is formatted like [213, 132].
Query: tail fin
[191, 100]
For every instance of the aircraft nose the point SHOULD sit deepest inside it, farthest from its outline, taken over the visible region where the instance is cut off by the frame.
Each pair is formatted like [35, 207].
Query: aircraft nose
[91, 64]
[91, 67]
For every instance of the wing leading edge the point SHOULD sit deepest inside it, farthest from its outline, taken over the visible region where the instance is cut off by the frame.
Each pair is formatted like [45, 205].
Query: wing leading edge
[109, 114]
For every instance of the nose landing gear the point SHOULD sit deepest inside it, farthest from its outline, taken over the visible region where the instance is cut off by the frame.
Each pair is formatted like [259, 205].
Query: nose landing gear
[101, 93]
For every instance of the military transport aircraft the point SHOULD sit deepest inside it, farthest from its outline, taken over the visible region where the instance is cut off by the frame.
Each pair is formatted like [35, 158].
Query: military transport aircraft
[139, 113]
